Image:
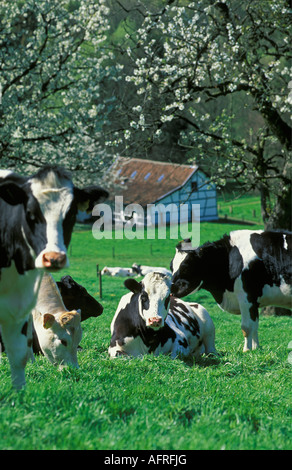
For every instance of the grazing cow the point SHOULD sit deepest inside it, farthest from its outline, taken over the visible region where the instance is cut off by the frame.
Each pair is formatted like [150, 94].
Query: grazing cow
[150, 320]
[76, 296]
[37, 215]
[243, 271]
[117, 272]
[58, 329]
[143, 270]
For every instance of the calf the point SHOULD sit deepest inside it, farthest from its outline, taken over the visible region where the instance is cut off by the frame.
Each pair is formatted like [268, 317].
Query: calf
[75, 297]
[37, 215]
[58, 329]
[150, 320]
[243, 271]
[117, 272]
[143, 270]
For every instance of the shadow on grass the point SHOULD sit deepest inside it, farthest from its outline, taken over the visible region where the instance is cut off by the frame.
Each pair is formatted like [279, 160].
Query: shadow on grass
[210, 360]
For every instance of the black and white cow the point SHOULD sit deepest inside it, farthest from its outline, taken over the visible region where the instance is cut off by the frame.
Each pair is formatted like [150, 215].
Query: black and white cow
[243, 271]
[150, 320]
[37, 215]
[76, 297]
[142, 270]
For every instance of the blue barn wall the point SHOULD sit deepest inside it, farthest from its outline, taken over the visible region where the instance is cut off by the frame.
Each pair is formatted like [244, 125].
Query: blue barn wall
[205, 195]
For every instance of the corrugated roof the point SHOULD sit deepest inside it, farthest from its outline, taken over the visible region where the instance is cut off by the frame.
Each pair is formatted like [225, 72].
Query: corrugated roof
[146, 181]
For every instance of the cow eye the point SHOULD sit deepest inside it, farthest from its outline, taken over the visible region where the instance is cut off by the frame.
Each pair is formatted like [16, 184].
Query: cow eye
[145, 301]
[30, 214]
[64, 342]
[144, 297]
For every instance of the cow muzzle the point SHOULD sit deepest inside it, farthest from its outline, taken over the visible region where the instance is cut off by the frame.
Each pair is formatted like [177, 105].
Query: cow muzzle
[180, 288]
[155, 322]
[53, 260]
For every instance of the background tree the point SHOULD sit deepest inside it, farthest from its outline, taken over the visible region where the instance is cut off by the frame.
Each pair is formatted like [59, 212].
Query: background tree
[53, 64]
[218, 74]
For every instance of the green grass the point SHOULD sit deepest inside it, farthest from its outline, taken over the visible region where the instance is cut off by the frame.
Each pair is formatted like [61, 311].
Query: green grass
[235, 401]
[246, 208]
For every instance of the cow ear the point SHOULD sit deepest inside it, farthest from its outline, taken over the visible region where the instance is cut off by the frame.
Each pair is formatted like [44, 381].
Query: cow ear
[67, 281]
[70, 318]
[13, 194]
[48, 320]
[87, 198]
[133, 285]
[66, 318]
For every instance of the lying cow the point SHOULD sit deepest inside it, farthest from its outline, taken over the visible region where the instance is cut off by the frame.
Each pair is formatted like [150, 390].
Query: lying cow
[150, 320]
[142, 270]
[58, 329]
[117, 272]
[243, 271]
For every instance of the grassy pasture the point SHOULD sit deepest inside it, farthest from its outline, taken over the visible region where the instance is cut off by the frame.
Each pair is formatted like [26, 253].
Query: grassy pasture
[235, 401]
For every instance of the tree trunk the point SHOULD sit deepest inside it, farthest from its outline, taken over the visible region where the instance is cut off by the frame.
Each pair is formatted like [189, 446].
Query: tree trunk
[281, 219]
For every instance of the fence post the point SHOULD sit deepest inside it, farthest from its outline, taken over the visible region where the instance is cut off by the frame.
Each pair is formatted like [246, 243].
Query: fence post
[98, 274]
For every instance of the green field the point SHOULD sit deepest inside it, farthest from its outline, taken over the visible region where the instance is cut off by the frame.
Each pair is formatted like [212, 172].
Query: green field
[235, 401]
[247, 208]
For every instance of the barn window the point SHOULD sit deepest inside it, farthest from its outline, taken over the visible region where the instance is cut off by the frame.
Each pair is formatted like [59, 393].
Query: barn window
[160, 177]
[133, 174]
[194, 186]
[147, 176]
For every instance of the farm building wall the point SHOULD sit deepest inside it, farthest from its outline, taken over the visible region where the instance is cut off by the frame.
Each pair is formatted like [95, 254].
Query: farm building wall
[195, 191]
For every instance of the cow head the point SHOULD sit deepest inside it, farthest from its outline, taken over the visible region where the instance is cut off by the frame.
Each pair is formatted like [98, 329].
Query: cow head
[153, 298]
[76, 296]
[60, 201]
[186, 267]
[59, 335]
[48, 203]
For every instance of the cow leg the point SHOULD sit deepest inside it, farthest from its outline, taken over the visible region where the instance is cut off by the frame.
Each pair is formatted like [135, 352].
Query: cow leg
[30, 339]
[15, 337]
[249, 326]
[209, 340]
[255, 338]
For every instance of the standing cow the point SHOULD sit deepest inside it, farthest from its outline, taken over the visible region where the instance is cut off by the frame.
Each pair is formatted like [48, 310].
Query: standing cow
[243, 271]
[37, 215]
[150, 320]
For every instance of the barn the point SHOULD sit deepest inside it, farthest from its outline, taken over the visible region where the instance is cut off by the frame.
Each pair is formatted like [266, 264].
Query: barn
[147, 182]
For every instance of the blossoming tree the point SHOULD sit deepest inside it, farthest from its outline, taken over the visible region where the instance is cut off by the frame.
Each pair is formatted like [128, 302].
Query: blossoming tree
[222, 68]
[52, 66]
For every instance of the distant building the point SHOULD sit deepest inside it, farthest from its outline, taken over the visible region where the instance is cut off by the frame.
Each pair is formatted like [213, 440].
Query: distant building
[151, 182]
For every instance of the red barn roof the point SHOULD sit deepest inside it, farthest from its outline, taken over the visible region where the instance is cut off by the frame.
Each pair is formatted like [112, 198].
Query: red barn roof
[146, 181]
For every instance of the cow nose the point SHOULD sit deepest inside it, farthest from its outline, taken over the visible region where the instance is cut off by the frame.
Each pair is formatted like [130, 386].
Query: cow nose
[54, 260]
[155, 321]
[99, 310]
